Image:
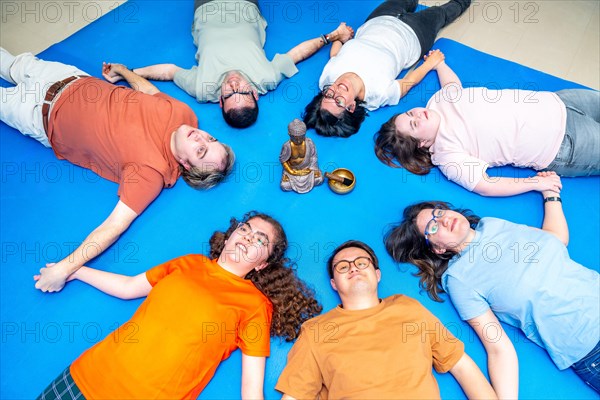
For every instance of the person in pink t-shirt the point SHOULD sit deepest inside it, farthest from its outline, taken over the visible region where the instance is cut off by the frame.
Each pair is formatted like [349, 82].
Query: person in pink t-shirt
[466, 130]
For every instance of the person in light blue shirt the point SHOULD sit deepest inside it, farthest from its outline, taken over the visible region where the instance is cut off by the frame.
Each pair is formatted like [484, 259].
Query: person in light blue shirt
[495, 270]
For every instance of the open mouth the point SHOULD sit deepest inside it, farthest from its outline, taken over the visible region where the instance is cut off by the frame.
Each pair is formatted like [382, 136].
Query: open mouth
[453, 225]
[242, 247]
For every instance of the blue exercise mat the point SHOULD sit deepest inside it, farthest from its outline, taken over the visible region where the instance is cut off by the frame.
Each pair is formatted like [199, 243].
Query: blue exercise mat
[49, 206]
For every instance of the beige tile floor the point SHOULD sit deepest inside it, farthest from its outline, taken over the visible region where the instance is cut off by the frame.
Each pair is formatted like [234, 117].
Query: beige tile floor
[560, 37]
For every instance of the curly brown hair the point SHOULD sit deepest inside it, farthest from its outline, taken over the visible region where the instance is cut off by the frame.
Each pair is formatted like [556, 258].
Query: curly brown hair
[293, 301]
[406, 243]
[397, 149]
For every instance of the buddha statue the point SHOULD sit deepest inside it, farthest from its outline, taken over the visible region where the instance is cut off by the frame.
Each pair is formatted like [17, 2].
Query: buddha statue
[299, 159]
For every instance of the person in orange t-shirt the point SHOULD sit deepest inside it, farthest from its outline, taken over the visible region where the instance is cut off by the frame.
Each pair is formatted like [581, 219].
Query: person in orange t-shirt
[198, 311]
[139, 138]
[372, 348]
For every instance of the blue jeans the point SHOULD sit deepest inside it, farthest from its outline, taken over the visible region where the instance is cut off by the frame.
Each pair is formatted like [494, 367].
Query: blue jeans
[426, 23]
[579, 153]
[588, 368]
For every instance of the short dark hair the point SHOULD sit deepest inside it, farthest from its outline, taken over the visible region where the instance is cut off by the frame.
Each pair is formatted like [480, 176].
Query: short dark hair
[348, 244]
[241, 117]
[327, 124]
[396, 149]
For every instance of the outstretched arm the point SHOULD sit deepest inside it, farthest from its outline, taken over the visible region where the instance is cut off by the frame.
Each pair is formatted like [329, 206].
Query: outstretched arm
[304, 50]
[116, 72]
[415, 76]
[500, 187]
[52, 278]
[117, 285]
[471, 379]
[554, 217]
[503, 365]
[158, 72]
[446, 75]
[335, 48]
[253, 377]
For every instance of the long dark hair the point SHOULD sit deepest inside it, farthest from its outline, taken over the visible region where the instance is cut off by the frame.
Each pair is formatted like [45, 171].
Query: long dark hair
[406, 243]
[397, 149]
[327, 124]
[293, 301]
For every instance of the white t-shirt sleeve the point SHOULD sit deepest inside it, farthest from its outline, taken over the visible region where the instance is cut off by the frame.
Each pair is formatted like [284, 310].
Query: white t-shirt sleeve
[393, 93]
[467, 301]
[377, 97]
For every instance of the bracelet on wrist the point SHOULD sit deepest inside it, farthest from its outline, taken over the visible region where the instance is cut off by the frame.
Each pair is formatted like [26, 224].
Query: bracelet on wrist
[553, 198]
[325, 39]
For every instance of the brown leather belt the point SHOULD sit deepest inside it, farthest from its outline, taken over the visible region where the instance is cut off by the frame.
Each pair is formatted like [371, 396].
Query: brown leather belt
[51, 94]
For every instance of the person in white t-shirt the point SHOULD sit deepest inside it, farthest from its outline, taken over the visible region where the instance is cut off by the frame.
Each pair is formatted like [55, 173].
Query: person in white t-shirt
[361, 73]
[466, 130]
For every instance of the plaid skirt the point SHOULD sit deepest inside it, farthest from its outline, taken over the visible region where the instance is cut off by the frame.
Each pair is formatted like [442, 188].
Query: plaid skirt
[62, 388]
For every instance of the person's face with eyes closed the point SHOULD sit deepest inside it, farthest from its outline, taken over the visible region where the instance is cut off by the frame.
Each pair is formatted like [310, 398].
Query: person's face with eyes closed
[419, 123]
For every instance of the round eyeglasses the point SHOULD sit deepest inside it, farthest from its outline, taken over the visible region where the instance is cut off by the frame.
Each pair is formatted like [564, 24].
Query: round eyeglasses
[339, 101]
[240, 92]
[432, 226]
[256, 237]
[361, 263]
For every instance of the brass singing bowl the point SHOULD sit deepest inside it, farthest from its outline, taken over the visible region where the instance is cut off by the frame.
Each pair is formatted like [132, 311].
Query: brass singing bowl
[339, 187]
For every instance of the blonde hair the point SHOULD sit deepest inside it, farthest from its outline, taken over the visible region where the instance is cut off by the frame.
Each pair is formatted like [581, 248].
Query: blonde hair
[201, 178]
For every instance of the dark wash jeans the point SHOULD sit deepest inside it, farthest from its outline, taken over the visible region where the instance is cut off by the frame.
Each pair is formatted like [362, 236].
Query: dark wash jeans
[427, 23]
[588, 368]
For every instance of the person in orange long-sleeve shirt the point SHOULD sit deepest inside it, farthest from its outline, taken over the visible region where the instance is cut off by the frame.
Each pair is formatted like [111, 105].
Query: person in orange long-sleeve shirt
[198, 311]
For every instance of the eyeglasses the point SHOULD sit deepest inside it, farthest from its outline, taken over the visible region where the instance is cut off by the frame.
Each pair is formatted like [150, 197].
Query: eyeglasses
[243, 93]
[339, 101]
[258, 238]
[432, 226]
[361, 263]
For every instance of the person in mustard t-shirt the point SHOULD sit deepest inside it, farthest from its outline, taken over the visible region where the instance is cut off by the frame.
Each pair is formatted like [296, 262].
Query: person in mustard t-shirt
[198, 311]
[372, 348]
[139, 138]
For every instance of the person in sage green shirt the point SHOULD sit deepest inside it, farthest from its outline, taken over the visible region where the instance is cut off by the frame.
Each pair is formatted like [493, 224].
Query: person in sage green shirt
[232, 66]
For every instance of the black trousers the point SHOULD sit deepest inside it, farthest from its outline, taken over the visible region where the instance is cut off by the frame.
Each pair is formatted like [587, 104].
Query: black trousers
[427, 23]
